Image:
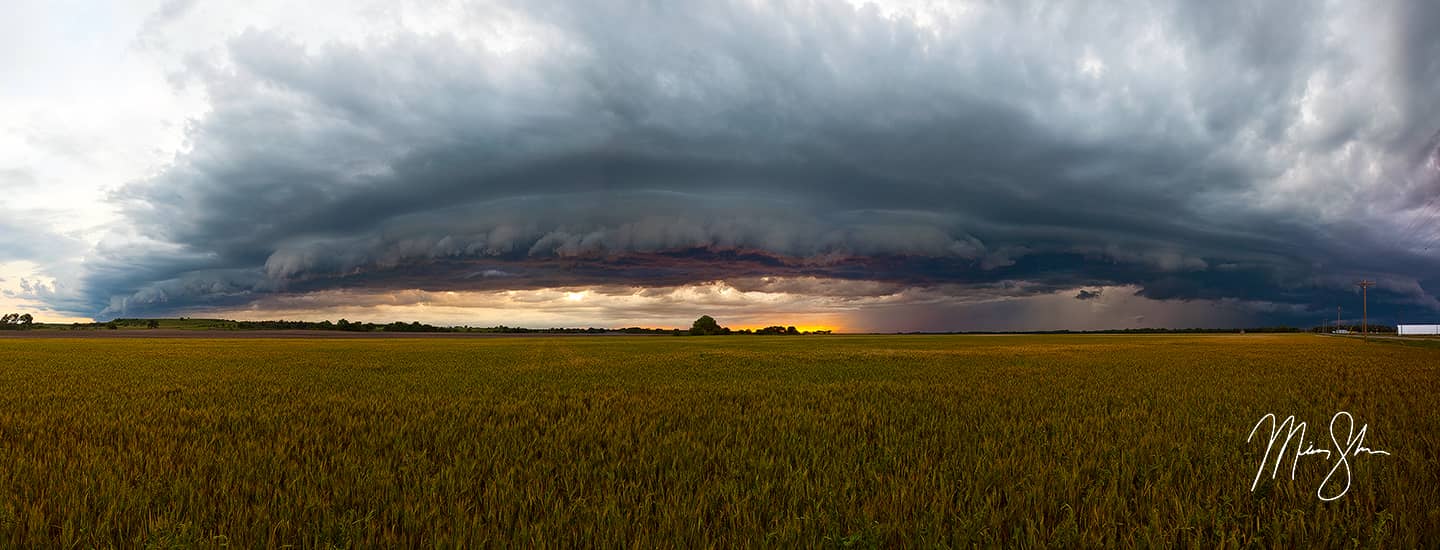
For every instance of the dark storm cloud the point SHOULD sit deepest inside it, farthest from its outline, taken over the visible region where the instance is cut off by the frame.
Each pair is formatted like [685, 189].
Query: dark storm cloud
[1085, 294]
[1034, 149]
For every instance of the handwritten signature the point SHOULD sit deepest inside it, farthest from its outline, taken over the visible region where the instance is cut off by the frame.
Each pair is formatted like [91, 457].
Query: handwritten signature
[1354, 445]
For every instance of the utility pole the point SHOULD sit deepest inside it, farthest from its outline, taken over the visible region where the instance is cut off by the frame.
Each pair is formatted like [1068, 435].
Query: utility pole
[1365, 306]
[1337, 317]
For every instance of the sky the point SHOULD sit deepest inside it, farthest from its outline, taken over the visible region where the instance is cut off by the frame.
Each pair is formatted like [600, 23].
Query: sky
[859, 166]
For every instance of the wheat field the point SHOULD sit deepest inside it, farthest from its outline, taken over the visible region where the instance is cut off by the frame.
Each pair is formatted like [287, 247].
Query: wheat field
[915, 441]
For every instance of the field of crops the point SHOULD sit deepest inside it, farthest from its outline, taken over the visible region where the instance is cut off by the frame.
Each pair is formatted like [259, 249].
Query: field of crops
[935, 441]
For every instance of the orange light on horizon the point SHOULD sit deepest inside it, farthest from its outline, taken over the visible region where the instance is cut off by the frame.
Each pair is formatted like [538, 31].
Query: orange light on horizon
[801, 328]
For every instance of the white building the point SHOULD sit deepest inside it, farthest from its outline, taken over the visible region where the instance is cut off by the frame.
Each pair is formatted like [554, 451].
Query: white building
[1430, 330]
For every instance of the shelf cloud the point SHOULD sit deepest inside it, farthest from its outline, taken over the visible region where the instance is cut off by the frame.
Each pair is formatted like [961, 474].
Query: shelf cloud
[1180, 153]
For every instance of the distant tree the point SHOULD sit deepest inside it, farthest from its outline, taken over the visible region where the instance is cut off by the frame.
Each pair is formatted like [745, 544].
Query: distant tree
[26, 319]
[791, 330]
[112, 325]
[706, 326]
[153, 323]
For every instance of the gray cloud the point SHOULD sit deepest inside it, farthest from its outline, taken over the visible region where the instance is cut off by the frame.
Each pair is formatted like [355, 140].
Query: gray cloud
[1182, 150]
[17, 178]
[1086, 294]
[26, 235]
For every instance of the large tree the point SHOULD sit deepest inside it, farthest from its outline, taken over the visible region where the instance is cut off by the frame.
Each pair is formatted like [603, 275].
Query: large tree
[705, 326]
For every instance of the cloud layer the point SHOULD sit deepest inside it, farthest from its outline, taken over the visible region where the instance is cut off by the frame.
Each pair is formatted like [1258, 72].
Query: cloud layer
[1184, 151]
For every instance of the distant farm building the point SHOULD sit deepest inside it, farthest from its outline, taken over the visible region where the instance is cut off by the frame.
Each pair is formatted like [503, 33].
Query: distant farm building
[1419, 330]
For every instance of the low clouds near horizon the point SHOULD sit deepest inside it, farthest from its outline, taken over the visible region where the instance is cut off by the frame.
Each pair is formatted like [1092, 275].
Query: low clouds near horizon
[893, 166]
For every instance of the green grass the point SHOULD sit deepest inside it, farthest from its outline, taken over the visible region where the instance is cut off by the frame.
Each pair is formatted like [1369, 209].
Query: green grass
[180, 324]
[945, 441]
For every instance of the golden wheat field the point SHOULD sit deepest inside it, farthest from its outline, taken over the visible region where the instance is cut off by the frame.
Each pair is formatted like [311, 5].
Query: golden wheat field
[924, 441]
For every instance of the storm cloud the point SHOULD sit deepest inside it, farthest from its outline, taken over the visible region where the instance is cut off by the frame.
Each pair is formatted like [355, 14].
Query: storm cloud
[1222, 152]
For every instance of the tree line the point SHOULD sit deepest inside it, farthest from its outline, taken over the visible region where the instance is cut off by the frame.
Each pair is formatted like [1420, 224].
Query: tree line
[704, 326]
[347, 325]
[708, 326]
[1260, 330]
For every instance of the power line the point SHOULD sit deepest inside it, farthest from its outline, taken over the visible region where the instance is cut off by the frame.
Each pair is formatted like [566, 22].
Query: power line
[1426, 213]
[1418, 221]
